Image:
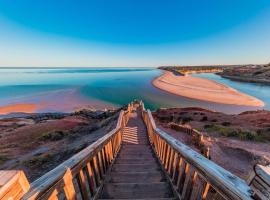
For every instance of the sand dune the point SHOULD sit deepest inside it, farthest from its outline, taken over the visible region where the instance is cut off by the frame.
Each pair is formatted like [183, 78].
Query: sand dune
[203, 89]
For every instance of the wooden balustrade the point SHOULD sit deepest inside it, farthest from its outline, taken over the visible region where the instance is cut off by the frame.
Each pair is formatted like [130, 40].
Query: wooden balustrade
[197, 137]
[191, 175]
[259, 181]
[82, 176]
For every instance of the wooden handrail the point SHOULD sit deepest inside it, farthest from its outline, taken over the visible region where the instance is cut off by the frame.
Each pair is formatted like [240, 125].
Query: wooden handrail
[83, 174]
[192, 175]
[259, 181]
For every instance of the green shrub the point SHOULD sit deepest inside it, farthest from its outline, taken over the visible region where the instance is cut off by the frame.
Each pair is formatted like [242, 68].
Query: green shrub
[248, 135]
[231, 132]
[37, 161]
[3, 159]
[225, 131]
[207, 126]
[186, 119]
[226, 123]
[203, 119]
[54, 135]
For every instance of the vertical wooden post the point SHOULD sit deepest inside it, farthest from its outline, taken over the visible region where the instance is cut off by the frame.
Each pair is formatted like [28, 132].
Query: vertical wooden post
[110, 151]
[162, 150]
[92, 181]
[205, 192]
[168, 153]
[53, 195]
[100, 164]
[97, 171]
[176, 167]
[171, 160]
[103, 154]
[69, 186]
[82, 185]
[164, 153]
[206, 152]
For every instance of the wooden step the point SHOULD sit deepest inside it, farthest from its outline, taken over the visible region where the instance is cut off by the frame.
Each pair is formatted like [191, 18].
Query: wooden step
[146, 199]
[128, 136]
[135, 156]
[135, 146]
[137, 190]
[135, 136]
[135, 167]
[137, 142]
[128, 160]
[136, 149]
[137, 177]
[137, 153]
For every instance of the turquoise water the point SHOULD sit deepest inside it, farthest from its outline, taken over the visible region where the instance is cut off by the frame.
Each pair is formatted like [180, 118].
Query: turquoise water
[110, 86]
[259, 91]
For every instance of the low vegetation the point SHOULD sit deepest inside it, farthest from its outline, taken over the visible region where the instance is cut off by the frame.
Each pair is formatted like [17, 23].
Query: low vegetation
[48, 139]
[3, 159]
[186, 119]
[54, 135]
[233, 132]
[203, 119]
[37, 161]
[248, 73]
[182, 70]
[252, 125]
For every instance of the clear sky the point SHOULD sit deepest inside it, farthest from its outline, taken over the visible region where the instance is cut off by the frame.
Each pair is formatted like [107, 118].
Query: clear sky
[133, 32]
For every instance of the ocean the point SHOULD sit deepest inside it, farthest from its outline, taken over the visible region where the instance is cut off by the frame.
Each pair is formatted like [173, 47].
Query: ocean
[66, 89]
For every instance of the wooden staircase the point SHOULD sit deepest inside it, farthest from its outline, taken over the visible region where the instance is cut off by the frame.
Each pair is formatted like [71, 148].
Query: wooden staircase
[136, 160]
[136, 174]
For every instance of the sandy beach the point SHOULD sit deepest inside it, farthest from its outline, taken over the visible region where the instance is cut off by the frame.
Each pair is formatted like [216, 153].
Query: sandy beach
[203, 89]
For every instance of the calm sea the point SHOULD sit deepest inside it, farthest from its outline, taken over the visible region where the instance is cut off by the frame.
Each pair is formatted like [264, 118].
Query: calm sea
[112, 86]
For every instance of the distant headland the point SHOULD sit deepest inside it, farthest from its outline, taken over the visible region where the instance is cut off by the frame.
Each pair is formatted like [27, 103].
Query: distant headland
[254, 73]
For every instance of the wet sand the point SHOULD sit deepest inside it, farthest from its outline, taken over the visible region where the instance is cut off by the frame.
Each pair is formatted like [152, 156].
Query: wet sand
[203, 89]
[25, 108]
[64, 100]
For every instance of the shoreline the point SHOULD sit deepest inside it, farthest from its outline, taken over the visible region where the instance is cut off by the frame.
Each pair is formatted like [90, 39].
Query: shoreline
[245, 80]
[19, 108]
[203, 89]
[62, 101]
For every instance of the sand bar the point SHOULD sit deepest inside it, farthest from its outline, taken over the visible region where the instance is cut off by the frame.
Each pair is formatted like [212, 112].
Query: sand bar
[203, 89]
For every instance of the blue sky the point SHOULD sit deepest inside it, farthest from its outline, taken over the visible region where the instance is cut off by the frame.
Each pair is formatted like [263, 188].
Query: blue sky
[133, 32]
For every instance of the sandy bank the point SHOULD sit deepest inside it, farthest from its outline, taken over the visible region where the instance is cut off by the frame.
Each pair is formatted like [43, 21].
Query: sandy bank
[63, 100]
[25, 108]
[203, 89]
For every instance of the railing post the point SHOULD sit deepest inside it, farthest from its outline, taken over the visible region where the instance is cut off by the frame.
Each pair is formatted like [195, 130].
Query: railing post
[13, 184]
[69, 187]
